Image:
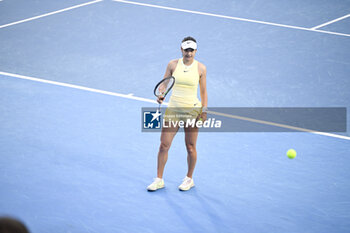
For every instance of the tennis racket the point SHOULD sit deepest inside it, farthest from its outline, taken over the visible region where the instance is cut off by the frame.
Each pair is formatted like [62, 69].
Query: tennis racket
[164, 87]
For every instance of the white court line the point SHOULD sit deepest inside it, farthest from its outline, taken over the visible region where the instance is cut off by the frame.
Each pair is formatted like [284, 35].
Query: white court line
[333, 21]
[51, 13]
[76, 87]
[231, 17]
[128, 96]
[279, 125]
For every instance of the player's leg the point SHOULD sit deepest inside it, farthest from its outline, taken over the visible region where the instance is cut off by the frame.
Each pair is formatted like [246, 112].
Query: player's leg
[191, 134]
[166, 139]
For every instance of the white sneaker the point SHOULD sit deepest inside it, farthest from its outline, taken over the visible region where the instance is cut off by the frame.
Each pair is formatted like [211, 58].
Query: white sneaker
[158, 183]
[186, 184]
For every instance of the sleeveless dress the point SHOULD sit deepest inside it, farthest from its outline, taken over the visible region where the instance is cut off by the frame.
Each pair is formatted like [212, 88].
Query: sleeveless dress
[184, 103]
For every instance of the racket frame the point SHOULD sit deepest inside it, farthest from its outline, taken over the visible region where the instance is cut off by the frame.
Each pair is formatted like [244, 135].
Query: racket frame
[167, 91]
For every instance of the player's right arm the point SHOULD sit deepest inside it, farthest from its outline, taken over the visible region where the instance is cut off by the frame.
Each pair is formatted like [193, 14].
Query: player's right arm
[169, 72]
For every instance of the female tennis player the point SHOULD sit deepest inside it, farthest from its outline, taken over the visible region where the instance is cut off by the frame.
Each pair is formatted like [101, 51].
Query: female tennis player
[188, 73]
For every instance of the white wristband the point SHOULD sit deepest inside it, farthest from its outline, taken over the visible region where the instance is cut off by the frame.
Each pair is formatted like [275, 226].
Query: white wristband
[205, 109]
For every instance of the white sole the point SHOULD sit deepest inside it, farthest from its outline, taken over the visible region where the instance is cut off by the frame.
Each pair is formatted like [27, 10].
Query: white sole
[186, 189]
[153, 190]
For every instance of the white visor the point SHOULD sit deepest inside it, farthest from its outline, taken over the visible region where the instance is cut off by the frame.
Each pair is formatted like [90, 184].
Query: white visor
[189, 44]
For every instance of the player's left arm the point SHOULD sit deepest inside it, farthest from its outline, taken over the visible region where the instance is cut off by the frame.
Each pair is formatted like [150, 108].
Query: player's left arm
[203, 89]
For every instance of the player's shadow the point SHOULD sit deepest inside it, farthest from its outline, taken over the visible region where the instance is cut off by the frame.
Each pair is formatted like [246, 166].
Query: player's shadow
[215, 214]
[217, 223]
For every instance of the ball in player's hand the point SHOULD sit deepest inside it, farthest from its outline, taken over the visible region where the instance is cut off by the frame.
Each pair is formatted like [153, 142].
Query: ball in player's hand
[291, 153]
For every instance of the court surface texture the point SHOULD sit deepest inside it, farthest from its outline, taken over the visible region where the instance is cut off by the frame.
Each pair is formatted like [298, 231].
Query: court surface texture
[75, 74]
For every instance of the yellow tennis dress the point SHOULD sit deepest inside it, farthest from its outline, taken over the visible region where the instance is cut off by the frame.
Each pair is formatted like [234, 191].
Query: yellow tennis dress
[184, 101]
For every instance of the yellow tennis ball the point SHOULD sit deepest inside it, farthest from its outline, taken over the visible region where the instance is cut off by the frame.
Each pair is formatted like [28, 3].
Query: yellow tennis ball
[291, 153]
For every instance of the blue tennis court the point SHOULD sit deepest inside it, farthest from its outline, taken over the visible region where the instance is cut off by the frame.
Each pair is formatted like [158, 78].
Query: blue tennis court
[75, 74]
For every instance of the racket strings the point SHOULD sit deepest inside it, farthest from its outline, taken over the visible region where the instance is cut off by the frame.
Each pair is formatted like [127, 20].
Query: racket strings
[164, 87]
